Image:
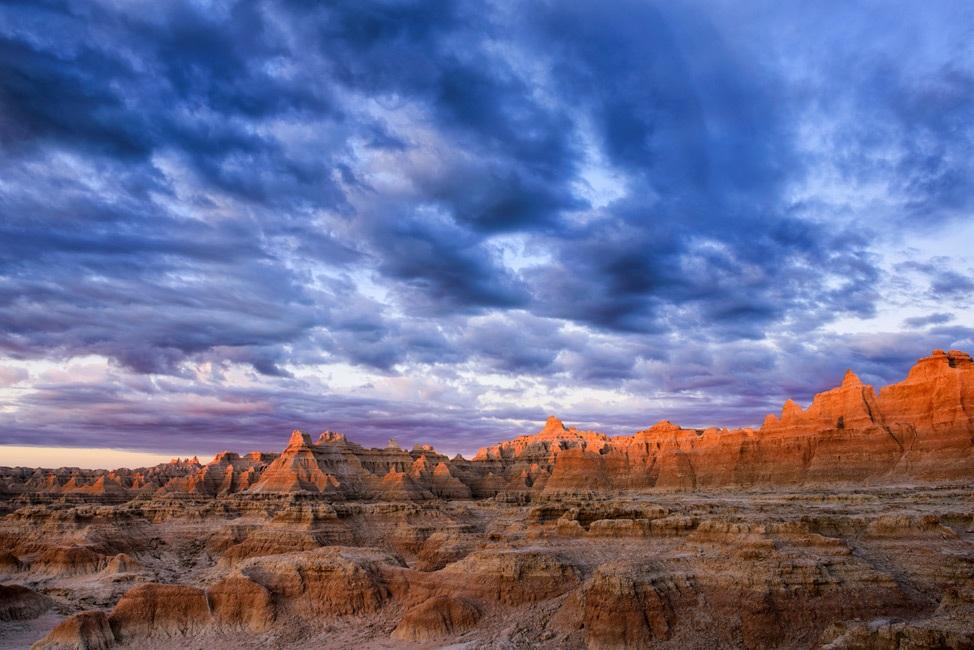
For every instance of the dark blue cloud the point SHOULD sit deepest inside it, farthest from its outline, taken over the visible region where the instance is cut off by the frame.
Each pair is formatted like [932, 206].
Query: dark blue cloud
[943, 280]
[936, 318]
[667, 199]
[951, 284]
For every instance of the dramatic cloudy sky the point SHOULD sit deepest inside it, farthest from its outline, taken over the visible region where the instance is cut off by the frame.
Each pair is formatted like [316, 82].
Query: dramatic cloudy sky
[442, 221]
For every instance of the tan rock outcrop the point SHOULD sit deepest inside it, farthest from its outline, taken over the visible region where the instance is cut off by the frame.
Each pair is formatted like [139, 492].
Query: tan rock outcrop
[238, 601]
[512, 577]
[627, 606]
[83, 631]
[123, 563]
[160, 610]
[326, 582]
[68, 561]
[857, 566]
[846, 524]
[438, 617]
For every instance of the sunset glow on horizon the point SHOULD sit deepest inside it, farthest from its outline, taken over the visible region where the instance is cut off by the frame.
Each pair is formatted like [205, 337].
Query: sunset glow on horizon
[84, 458]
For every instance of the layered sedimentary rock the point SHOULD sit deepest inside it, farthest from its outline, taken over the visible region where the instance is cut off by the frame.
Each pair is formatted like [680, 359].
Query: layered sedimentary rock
[82, 631]
[100, 485]
[804, 567]
[159, 610]
[855, 530]
[68, 561]
[628, 606]
[341, 469]
[225, 474]
[919, 429]
[238, 601]
[439, 617]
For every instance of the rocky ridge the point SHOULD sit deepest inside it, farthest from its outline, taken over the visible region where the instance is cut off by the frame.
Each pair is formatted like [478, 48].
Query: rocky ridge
[847, 524]
[920, 429]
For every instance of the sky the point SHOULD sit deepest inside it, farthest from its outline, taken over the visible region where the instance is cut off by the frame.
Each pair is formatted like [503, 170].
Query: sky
[443, 221]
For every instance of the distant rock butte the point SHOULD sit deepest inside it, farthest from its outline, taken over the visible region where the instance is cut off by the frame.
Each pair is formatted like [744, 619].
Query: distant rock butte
[920, 429]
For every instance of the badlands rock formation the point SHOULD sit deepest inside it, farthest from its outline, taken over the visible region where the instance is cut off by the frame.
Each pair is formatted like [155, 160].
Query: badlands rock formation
[847, 524]
[919, 429]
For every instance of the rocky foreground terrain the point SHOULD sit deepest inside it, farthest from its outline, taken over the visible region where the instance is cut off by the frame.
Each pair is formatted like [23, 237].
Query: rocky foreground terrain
[849, 524]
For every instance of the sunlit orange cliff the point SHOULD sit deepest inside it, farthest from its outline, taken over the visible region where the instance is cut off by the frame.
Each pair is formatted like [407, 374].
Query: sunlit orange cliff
[920, 429]
[844, 525]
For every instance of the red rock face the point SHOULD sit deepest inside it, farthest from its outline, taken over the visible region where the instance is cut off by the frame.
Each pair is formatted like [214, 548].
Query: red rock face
[932, 413]
[334, 467]
[860, 536]
[225, 474]
[920, 429]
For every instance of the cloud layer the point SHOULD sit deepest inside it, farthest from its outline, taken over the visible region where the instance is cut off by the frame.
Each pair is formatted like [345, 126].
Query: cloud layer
[441, 221]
